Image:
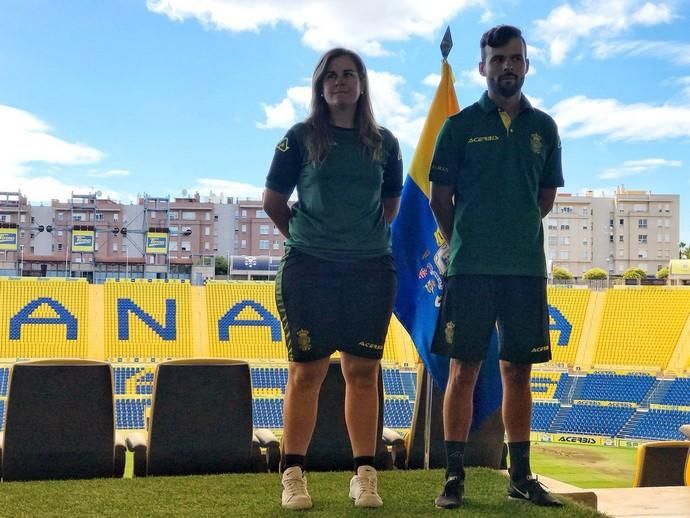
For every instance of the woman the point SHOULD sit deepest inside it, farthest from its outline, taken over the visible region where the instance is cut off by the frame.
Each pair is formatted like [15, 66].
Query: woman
[336, 284]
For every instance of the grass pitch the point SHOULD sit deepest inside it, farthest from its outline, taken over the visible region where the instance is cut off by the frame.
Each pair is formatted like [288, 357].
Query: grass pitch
[405, 493]
[585, 466]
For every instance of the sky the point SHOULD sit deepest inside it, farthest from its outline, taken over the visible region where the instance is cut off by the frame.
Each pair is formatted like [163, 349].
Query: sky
[173, 97]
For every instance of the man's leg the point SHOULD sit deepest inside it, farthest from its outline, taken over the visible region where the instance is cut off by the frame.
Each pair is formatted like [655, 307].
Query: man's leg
[517, 417]
[457, 419]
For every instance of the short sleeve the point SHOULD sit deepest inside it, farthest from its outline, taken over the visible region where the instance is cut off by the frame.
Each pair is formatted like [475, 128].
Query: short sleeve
[448, 154]
[552, 175]
[392, 170]
[286, 165]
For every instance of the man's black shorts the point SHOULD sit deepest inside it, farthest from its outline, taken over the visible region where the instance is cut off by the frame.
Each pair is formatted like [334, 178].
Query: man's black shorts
[327, 306]
[474, 305]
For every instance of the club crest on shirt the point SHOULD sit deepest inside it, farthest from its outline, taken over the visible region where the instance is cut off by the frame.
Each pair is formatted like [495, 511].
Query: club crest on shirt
[283, 145]
[450, 332]
[303, 340]
[535, 143]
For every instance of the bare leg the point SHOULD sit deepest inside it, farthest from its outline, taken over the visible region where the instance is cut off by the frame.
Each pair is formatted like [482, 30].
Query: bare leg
[457, 401]
[301, 404]
[517, 400]
[361, 402]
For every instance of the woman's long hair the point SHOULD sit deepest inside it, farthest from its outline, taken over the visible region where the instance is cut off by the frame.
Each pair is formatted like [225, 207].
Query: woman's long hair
[319, 137]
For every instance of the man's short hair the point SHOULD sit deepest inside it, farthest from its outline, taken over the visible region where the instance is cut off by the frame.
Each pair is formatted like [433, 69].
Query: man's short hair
[499, 36]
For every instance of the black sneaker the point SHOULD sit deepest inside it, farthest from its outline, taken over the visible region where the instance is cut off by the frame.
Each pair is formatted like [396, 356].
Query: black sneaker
[533, 491]
[451, 497]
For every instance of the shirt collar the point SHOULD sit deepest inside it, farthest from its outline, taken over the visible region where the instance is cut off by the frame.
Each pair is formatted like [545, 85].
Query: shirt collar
[488, 105]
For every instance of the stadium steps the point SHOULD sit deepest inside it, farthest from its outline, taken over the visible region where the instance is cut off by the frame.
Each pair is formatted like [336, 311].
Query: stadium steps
[556, 424]
[565, 393]
[656, 395]
[632, 423]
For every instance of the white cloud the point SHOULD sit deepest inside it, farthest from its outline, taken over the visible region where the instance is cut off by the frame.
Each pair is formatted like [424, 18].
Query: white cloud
[285, 113]
[472, 78]
[580, 116]
[29, 154]
[109, 174]
[676, 52]
[638, 167]
[432, 80]
[565, 26]
[227, 188]
[361, 24]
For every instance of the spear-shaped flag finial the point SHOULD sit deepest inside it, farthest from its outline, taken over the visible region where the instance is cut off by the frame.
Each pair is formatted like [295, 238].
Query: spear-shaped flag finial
[446, 43]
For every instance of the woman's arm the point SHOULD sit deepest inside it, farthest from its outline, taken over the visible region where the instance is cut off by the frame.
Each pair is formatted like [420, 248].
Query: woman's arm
[277, 208]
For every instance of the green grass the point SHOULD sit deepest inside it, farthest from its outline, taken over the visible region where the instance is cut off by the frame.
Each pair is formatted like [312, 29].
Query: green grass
[405, 493]
[585, 466]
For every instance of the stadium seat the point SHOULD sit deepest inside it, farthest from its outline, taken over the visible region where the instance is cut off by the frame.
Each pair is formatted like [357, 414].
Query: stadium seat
[201, 421]
[661, 463]
[330, 448]
[60, 422]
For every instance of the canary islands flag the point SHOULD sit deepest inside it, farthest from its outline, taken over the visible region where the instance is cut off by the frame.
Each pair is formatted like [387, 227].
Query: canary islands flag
[421, 256]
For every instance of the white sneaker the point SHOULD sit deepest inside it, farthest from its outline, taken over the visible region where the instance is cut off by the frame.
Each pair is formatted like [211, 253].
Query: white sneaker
[363, 488]
[295, 494]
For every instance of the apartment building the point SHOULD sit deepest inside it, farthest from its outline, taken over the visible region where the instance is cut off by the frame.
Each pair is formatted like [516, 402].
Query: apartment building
[628, 229]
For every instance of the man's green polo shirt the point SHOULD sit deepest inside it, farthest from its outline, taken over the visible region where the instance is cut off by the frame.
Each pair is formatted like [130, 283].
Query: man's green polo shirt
[497, 173]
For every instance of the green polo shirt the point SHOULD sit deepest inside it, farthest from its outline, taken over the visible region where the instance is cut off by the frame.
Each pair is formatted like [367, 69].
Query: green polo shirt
[497, 173]
[339, 211]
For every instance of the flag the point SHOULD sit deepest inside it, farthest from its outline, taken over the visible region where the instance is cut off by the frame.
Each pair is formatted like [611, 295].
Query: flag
[421, 256]
[418, 247]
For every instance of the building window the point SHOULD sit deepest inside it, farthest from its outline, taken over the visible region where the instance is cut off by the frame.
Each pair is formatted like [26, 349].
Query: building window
[642, 254]
[641, 223]
[33, 220]
[244, 227]
[114, 247]
[99, 216]
[172, 246]
[243, 244]
[186, 246]
[263, 244]
[553, 240]
[261, 213]
[207, 231]
[188, 215]
[564, 255]
[565, 225]
[640, 207]
[263, 230]
[116, 217]
[207, 245]
[642, 238]
[621, 239]
[276, 245]
[565, 240]
[207, 216]
[620, 222]
[244, 213]
[276, 230]
[566, 209]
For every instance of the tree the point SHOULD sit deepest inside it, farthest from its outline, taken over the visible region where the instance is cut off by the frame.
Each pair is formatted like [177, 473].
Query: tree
[595, 274]
[634, 273]
[683, 251]
[662, 273]
[221, 265]
[561, 273]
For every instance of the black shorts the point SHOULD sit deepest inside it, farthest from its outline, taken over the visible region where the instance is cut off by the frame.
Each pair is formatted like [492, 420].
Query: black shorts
[474, 305]
[327, 306]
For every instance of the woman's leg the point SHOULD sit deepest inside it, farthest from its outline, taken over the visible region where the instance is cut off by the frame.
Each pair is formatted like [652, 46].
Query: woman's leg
[361, 402]
[301, 403]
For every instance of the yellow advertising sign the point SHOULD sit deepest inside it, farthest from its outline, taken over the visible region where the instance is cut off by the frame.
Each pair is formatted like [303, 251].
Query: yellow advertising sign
[83, 240]
[156, 242]
[8, 238]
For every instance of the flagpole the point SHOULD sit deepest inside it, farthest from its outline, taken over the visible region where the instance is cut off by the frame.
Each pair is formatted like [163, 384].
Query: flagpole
[446, 46]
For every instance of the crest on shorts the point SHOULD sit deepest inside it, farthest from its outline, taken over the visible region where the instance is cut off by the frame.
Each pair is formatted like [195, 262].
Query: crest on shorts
[535, 143]
[283, 145]
[303, 340]
[450, 332]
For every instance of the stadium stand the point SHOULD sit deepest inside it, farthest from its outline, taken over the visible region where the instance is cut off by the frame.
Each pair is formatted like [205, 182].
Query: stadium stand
[60, 423]
[45, 318]
[567, 308]
[642, 326]
[609, 386]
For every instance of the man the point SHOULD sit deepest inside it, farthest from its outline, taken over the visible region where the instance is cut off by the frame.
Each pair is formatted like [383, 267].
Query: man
[494, 176]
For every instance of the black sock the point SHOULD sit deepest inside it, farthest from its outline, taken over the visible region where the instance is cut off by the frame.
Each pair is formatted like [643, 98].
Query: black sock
[294, 460]
[363, 461]
[519, 460]
[455, 459]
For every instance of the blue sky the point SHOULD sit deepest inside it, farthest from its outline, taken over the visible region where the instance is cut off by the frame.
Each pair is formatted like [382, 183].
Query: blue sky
[135, 96]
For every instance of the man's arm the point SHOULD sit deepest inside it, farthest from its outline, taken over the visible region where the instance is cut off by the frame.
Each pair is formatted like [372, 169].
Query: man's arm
[277, 208]
[547, 195]
[442, 206]
[391, 206]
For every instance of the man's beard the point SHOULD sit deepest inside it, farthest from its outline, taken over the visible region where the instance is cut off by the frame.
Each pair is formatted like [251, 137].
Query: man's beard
[508, 89]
